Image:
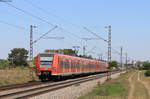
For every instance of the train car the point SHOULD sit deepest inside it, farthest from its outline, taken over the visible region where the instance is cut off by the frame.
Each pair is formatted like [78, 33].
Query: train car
[50, 66]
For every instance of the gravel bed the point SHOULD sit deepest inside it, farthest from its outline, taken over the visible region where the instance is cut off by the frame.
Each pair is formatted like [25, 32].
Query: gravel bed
[75, 91]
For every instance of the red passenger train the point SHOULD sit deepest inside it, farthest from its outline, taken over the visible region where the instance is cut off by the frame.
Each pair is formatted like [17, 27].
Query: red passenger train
[50, 65]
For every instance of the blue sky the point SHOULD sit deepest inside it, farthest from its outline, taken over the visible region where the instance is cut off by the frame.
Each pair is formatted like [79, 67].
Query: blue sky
[129, 19]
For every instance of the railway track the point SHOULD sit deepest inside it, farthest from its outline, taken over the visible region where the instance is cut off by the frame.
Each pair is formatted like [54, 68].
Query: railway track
[15, 86]
[47, 87]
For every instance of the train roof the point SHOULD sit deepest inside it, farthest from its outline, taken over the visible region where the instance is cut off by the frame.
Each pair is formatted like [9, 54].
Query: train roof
[81, 58]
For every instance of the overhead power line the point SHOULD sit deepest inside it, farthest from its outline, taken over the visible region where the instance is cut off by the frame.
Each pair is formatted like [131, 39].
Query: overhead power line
[70, 32]
[5, 1]
[45, 34]
[115, 51]
[55, 16]
[91, 50]
[39, 18]
[90, 39]
[51, 14]
[57, 38]
[28, 13]
[13, 25]
[95, 34]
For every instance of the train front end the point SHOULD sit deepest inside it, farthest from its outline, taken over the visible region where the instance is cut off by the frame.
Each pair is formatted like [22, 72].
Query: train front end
[44, 64]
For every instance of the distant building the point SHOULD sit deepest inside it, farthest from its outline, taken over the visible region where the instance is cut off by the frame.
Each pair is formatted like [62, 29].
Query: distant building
[51, 51]
[54, 51]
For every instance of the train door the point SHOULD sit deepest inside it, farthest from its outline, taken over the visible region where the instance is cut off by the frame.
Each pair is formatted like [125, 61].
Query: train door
[76, 66]
[71, 66]
[79, 67]
[63, 65]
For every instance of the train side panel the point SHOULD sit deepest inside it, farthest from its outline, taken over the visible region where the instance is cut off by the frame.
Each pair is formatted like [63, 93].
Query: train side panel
[65, 65]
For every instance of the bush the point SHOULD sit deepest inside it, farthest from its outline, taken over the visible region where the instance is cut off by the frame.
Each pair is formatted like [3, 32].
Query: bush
[146, 66]
[113, 64]
[4, 64]
[147, 73]
[140, 67]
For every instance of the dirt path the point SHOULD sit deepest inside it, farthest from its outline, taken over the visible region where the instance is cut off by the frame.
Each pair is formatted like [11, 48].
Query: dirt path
[132, 87]
[146, 85]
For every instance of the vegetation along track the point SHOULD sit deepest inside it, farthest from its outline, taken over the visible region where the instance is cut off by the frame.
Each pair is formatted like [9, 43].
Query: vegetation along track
[48, 87]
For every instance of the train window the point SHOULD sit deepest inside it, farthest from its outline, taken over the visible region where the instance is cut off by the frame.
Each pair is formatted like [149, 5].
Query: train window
[89, 64]
[67, 65]
[46, 60]
[46, 63]
[61, 64]
[75, 64]
[78, 65]
[64, 64]
[46, 55]
[72, 64]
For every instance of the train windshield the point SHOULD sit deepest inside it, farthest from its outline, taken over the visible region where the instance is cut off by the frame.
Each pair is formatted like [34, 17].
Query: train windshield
[46, 60]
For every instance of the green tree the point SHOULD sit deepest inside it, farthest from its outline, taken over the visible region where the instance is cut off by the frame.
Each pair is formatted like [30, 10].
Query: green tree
[146, 66]
[68, 51]
[18, 57]
[113, 64]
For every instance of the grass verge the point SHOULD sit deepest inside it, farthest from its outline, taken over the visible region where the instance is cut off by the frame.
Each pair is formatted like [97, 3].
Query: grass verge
[15, 76]
[113, 89]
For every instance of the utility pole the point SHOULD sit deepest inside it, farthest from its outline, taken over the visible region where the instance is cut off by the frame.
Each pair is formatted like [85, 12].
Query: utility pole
[109, 49]
[126, 60]
[86, 39]
[84, 50]
[76, 49]
[121, 64]
[100, 56]
[31, 51]
[31, 41]
[109, 43]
